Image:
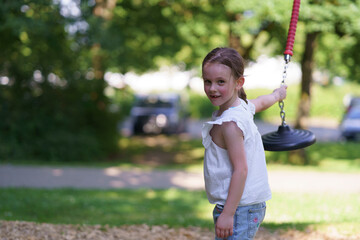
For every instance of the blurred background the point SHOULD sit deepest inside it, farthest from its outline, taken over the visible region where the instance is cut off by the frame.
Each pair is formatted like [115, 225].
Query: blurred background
[78, 75]
[114, 87]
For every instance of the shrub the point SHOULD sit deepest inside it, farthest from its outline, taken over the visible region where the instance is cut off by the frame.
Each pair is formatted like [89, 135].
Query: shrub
[59, 125]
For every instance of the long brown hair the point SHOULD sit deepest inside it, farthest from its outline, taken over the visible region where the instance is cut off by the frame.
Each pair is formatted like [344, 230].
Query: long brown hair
[231, 58]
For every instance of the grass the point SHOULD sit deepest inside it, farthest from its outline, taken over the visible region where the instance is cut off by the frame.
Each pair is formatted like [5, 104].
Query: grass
[315, 211]
[325, 157]
[154, 207]
[175, 208]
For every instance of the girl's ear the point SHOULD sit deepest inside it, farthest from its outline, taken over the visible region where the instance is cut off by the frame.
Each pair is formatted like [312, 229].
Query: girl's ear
[240, 83]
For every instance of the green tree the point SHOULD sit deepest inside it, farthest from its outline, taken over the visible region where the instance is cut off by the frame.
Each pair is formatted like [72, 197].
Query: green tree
[258, 27]
[49, 110]
[331, 29]
[49, 74]
[327, 39]
[143, 35]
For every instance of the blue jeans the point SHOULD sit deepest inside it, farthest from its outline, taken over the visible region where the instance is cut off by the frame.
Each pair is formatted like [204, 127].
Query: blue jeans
[247, 220]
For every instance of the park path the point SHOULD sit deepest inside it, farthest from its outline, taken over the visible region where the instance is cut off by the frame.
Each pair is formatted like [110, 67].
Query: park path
[114, 177]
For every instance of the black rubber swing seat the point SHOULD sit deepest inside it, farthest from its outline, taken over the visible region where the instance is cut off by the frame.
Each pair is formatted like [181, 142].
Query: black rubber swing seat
[286, 139]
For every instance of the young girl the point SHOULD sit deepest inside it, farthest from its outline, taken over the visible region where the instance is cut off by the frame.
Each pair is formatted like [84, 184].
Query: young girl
[234, 164]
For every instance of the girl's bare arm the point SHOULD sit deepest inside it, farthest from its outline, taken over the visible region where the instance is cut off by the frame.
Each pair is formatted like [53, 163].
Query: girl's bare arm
[234, 141]
[265, 101]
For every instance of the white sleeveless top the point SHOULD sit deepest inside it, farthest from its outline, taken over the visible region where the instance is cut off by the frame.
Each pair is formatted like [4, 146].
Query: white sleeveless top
[218, 168]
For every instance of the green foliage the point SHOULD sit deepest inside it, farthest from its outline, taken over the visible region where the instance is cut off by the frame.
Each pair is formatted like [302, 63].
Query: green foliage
[199, 106]
[251, 19]
[53, 107]
[264, 24]
[143, 35]
[122, 101]
[328, 101]
[61, 124]
[338, 28]
[49, 110]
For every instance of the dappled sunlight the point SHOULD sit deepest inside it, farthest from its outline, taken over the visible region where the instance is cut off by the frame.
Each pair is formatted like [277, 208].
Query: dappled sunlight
[158, 140]
[106, 178]
[190, 155]
[117, 178]
[161, 150]
[112, 171]
[188, 180]
[301, 182]
[204, 208]
[150, 194]
[57, 172]
[316, 208]
[137, 178]
[154, 158]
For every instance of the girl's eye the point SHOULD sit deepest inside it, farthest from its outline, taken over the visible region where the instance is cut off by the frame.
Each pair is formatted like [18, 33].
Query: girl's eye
[207, 82]
[221, 81]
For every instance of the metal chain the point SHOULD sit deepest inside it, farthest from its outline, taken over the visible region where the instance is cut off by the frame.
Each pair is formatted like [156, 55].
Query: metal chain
[281, 103]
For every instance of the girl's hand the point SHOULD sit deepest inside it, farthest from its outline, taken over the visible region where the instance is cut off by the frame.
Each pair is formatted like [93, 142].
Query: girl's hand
[224, 225]
[280, 93]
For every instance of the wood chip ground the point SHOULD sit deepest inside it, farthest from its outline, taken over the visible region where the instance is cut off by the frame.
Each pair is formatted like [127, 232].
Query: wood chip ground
[19, 230]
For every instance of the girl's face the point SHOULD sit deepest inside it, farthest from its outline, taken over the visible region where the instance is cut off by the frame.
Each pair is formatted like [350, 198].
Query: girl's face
[220, 86]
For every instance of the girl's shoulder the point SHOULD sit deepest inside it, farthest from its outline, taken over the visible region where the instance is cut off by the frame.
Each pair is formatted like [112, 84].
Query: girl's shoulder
[243, 110]
[240, 116]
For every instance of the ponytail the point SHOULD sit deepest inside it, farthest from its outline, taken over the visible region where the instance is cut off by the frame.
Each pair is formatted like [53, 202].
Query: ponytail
[242, 95]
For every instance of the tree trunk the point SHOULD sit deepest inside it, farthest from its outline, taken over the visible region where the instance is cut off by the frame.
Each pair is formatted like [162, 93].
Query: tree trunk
[299, 157]
[234, 38]
[103, 9]
[307, 65]
[235, 43]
